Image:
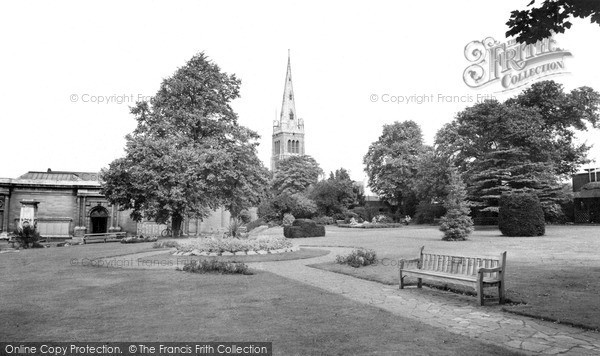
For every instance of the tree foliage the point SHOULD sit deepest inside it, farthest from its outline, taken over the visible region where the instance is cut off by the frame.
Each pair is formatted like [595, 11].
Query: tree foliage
[295, 174]
[521, 214]
[188, 154]
[335, 194]
[552, 16]
[457, 223]
[525, 143]
[391, 164]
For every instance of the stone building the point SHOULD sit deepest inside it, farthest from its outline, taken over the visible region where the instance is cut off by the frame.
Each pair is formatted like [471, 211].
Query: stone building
[288, 132]
[586, 194]
[68, 204]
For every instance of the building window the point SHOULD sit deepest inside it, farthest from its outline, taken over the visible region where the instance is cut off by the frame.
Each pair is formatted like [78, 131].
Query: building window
[291, 115]
[290, 96]
[289, 148]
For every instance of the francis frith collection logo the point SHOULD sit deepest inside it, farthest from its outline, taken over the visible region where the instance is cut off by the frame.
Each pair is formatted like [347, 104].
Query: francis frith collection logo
[511, 64]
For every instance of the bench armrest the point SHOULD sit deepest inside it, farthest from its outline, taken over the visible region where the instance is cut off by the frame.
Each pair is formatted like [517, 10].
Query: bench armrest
[490, 270]
[411, 260]
[402, 263]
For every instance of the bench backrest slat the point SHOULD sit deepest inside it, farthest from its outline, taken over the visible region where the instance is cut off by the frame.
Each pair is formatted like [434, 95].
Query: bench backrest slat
[458, 264]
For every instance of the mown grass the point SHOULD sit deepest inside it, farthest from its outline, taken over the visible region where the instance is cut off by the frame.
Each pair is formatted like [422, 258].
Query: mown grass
[46, 297]
[554, 277]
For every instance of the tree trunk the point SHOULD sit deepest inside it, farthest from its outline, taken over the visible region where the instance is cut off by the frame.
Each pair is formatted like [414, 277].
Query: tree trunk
[176, 221]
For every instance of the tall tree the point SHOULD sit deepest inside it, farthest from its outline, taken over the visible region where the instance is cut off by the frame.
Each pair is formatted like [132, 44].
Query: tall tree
[188, 154]
[295, 174]
[432, 179]
[457, 223]
[335, 194]
[536, 23]
[525, 143]
[391, 164]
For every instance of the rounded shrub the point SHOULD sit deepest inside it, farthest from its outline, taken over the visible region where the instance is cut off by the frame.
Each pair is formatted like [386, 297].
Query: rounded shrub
[521, 214]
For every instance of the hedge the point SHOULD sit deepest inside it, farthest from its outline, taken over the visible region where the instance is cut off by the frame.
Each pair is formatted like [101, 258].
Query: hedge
[521, 214]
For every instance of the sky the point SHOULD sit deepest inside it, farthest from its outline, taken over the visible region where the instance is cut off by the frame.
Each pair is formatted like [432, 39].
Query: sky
[349, 59]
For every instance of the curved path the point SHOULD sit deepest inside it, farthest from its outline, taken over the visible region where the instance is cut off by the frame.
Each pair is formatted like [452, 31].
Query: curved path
[456, 313]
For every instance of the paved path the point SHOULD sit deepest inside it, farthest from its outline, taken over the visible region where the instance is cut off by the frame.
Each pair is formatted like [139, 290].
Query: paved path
[456, 313]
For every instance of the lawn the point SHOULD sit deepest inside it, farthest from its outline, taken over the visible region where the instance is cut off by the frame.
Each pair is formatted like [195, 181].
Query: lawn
[555, 277]
[47, 297]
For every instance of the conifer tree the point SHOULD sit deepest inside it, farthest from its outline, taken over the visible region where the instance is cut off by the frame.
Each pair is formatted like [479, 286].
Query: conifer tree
[457, 223]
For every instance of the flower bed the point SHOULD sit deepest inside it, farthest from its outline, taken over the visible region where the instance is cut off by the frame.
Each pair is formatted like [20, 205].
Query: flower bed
[372, 226]
[227, 247]
[135, 239]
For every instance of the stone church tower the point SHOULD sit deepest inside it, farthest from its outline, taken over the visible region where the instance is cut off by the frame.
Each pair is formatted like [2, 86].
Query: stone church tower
[288, 132]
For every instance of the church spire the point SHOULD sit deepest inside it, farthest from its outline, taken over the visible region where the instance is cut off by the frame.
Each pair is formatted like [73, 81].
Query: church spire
[288, 106]
[288, 132]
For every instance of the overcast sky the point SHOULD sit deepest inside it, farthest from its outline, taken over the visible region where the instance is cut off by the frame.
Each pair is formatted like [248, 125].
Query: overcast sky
[57, 57]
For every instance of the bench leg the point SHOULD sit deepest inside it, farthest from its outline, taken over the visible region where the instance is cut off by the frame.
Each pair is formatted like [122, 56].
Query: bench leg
[501, 292]
[480, 288]
[419, 282]
[401, 280]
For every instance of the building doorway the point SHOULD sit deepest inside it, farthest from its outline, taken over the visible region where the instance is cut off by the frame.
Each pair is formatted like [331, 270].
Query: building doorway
[99, 220]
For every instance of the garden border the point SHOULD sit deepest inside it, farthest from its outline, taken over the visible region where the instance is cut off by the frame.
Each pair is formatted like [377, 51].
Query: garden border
[238, 253]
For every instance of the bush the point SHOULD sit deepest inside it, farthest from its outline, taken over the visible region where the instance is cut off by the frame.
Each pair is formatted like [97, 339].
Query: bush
[303, 228]
[456, 226]
[553, 213]
[367, 225]
[358, 258]
[324, 220]
[28, 236]
[382, 219]
[245, 216]
[165, 244]
[214, 266]
[233, 230]
[521, 214]
[254, 224]
[268, 212]
[366, 213]
[427, 212]
[141, 238]
[349, 215]
[302, 207]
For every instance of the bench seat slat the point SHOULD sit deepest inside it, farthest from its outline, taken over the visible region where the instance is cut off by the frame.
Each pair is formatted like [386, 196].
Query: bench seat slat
[445, 275]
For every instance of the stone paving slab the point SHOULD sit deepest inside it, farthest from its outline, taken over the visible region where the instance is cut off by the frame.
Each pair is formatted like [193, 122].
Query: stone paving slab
[453, 312]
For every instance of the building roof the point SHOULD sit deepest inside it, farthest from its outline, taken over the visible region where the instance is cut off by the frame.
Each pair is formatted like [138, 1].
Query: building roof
[589, 190]
[56, 178]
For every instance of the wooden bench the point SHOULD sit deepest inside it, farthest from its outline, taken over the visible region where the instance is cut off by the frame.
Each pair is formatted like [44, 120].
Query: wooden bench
[106, 237]
[476, 272]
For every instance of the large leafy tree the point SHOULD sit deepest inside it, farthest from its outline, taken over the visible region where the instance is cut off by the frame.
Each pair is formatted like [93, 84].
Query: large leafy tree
[536, 23]
[525, 143]
[295, 174]
[432, 178]
[391, 164]
[188, 154]
[335, 194]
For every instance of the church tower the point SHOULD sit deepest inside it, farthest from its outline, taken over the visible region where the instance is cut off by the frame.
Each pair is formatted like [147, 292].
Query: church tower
[288, 132]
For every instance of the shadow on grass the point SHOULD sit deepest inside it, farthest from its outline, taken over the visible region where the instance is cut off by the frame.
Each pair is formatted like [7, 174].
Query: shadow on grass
[46, 298]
